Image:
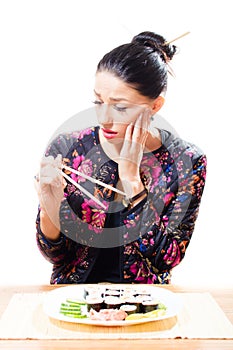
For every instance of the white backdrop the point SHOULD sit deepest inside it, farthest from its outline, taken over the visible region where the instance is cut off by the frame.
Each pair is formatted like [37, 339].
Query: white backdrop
[49, 52]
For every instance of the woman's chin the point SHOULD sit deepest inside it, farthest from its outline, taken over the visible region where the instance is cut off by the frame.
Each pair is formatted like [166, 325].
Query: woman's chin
[111, 138]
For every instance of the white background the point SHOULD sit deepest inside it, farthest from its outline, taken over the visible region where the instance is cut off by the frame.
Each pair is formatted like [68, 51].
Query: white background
[49, 52]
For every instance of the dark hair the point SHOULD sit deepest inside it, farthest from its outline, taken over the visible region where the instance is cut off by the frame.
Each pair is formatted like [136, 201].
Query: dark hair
[141, 63]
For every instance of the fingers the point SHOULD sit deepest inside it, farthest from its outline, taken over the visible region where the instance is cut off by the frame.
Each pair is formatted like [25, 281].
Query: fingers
[36, 184]
[129, 132]
[135, 138]
[50, 171]
[50, 160]
[58, 161]
[138, 131]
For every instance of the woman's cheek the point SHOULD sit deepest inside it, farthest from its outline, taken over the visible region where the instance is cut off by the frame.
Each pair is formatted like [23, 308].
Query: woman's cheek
[121, 128]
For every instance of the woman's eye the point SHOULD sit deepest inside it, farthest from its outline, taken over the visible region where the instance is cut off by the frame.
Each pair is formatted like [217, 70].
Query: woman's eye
[98, 103]
[120, 108]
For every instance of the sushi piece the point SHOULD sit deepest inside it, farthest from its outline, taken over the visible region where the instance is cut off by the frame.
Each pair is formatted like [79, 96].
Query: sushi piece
[141, 298]
[142, 292]
[92, 291]
[133, 301]
[129, 308]
[112, 292]
[112, 302]
[94, 303]
[149, 305]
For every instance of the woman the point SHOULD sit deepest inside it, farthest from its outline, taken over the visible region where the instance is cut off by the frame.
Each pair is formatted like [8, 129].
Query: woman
[141, 236]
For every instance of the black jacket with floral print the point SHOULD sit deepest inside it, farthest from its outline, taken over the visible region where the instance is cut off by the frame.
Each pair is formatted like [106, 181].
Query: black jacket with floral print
[154, 234]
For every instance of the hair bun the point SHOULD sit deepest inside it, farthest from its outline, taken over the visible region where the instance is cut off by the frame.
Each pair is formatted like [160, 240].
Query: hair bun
[157, 43]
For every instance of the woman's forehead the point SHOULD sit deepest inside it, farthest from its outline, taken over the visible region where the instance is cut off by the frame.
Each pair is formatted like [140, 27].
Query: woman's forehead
[114, 89]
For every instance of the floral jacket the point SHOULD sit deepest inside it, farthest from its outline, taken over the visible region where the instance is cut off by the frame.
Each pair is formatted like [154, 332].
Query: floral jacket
[154, 234]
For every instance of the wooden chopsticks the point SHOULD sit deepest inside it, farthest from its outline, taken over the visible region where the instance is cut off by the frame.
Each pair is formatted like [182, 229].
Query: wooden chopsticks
[90, 179]
[82, 189]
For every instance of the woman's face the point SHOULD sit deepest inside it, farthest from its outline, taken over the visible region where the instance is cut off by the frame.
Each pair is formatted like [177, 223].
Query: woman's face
[117, 105]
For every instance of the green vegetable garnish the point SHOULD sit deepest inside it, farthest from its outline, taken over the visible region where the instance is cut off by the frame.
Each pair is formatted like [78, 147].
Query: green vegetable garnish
[73, 308]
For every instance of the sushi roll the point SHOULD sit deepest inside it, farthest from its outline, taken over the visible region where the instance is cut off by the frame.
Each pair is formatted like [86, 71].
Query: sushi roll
[92, 291]
[112, 302]
[129, 290]
[94, 303]
[142, 294]
[149, 305]
[112, 292]
[133, 301]
[143, 291]
[129, 308]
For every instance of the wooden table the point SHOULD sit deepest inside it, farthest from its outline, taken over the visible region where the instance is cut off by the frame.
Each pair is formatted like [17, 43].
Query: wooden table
[224, 297]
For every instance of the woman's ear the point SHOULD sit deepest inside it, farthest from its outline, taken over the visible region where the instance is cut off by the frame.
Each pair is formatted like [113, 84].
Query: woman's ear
[158, 104]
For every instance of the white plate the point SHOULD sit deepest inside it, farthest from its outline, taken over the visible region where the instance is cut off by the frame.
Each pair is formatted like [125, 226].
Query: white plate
[54, 299]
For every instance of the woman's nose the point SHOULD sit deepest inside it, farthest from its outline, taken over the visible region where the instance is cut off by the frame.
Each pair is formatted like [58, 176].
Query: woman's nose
[104, 114]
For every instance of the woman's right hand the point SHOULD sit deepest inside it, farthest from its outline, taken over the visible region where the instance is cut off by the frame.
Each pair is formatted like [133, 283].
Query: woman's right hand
[132, 152]
[50, 189]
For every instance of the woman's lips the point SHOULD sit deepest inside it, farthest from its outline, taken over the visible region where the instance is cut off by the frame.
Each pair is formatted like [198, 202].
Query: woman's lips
[109, 134]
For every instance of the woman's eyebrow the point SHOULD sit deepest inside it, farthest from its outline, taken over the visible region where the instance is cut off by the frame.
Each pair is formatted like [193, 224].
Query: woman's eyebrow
[115, 99]
[96, 93]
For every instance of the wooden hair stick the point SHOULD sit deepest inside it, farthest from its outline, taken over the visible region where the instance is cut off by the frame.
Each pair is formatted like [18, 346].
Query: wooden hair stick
[171, 41]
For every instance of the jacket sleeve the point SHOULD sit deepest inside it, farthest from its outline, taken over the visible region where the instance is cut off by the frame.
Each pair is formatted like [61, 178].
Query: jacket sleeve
[63, 250]
[163, 244]
[70, 259]
[55, 252]
[80, 218]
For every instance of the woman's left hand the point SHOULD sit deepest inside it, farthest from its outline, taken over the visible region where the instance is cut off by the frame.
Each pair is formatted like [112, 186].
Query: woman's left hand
[132, 152]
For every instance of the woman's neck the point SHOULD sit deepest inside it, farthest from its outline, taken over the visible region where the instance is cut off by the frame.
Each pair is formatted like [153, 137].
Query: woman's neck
[153, 141]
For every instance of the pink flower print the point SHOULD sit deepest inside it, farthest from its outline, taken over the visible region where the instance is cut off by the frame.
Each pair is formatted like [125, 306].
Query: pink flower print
[94, 217]
[142, 273]
[189, 153]
[76, 162]
[151, 169]
[156, 171]
[157, 217]
[138, 269]
[85, 168]
[151, 241]
[97, 221]
[151, 279]
[129, 223]
[85, 132]
[148, 161]
[204, 161]
[92, 204]
[165, 220]
[126, 235]
[172, 256]
[86, 212]
[82, 133]
[156, 174]
[133, 268]
[167, 198]
[141, 279]
[180, 165]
